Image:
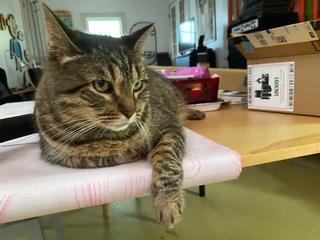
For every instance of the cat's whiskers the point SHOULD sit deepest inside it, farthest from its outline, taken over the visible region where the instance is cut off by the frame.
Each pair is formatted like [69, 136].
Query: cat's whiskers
[63, 131]
[77, 134]
[66, 130]
[58, 154]
[65, 123]
[71, 138]
[145, 134]
[103, 129]
[140, 130]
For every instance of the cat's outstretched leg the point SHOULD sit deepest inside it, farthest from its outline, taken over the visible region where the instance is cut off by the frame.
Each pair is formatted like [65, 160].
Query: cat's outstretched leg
[167, 176]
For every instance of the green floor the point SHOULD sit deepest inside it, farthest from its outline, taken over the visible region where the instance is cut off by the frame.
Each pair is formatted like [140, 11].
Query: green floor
[273, 201]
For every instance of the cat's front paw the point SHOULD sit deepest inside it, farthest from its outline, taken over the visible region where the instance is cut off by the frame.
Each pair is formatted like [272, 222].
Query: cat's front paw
[195, 115]
[169, 208]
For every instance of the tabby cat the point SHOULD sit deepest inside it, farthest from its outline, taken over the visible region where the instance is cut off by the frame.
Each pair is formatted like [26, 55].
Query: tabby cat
[97, 105]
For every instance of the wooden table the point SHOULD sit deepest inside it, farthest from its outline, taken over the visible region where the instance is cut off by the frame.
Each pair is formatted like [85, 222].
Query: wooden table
[261, 137]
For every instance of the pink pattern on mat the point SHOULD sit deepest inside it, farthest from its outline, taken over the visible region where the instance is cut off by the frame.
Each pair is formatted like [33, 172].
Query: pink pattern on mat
[98, 193]
[135, 186]
[195, 165]
[92, 193]
[5, 202]
[206, 142]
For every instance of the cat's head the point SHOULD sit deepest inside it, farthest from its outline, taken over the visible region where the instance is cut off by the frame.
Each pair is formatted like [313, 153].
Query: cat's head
[94, 77]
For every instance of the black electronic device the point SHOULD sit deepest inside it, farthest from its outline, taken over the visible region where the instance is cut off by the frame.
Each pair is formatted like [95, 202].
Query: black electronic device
[201, 47]
[202, 55]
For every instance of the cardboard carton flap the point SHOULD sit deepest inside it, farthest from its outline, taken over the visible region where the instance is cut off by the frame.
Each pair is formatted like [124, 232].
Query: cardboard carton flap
[291, 40]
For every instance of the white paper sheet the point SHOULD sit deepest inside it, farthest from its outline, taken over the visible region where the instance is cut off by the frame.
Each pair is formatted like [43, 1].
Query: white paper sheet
[9, 110]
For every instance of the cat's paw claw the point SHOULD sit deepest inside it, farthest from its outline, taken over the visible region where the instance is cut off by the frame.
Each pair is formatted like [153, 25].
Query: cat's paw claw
[169, 209]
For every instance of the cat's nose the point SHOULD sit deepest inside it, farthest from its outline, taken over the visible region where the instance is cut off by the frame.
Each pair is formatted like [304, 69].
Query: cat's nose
[127, 107]
[128, 114]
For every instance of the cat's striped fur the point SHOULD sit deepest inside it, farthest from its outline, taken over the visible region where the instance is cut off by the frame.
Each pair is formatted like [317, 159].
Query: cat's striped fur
[139, 115]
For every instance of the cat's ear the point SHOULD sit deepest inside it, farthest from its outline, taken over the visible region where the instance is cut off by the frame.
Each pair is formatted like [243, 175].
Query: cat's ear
[136, 40]
[60, 46]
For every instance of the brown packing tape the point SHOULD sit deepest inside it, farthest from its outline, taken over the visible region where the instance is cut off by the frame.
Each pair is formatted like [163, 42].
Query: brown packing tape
[304, 48]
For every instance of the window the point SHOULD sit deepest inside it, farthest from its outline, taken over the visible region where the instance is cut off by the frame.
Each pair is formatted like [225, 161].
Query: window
[104, 24]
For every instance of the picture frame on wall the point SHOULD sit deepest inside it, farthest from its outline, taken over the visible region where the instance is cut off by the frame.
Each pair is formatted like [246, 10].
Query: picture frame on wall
[206, 19]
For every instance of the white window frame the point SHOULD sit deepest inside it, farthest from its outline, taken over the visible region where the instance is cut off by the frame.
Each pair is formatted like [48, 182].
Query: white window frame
[108, 16]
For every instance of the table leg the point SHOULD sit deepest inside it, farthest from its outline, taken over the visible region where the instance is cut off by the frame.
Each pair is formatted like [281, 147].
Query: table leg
[202, 190]
[105, 213]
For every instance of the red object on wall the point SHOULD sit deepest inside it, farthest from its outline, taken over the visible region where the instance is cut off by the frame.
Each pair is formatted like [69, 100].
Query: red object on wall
[198, 90]
[300, 10]
[316, 10]
[230, 12]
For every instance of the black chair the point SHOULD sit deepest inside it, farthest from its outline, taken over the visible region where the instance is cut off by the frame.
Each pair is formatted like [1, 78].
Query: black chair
[13, 127]
[35, 75]
[5, 94]
[163, 59]
[4, 88]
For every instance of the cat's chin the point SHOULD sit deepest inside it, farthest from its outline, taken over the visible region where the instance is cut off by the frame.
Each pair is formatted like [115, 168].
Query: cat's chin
[118, 125]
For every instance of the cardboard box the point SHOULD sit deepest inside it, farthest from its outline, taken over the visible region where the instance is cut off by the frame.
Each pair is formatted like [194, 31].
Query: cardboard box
[283, 68]
[231, 79]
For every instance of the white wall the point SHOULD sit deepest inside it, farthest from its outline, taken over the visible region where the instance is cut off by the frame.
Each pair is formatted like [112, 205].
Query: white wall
[134, 10]
[15, 78]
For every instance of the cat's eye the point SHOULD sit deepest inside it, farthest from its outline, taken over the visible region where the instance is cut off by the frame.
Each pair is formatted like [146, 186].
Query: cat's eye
[102, 86]
[137, 86]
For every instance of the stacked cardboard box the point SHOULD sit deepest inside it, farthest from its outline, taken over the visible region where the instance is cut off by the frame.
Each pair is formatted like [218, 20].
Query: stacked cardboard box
[283, 68]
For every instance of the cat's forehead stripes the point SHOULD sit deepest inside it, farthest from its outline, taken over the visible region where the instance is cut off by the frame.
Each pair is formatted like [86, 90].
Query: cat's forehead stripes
[120, 67]
[135, 74]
